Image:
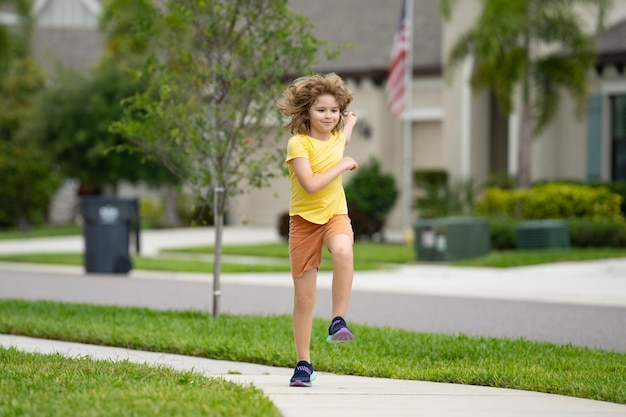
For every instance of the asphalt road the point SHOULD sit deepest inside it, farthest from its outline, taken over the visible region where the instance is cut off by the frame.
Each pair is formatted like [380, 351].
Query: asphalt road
[593, 326]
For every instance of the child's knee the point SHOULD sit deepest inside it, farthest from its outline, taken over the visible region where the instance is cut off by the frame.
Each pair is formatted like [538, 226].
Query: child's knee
[342, 254]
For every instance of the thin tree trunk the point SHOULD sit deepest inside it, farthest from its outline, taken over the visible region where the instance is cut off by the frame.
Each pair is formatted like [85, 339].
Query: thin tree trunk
[218, 216]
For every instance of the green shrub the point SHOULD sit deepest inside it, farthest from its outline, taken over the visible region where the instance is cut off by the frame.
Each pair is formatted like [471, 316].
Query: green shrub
[502, 230]
[151, 213]
[28, 180]
[283, 225]
[552, 201]
[426, 177]
[502, 180]
[193, 211]
[371, 194]
[440, 198]
[619, 187]
[585, 233]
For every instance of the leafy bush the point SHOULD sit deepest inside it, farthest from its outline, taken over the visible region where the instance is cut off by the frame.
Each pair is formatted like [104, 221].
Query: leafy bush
[29, 181]
[552, 201]
[440, 198]
[283, 225]
[502, 180]
[502, 230]
[584, 233]
[618, 187]
[28, 177]
[598, 233]
[371, 195]
[425, 177]
[151, 213]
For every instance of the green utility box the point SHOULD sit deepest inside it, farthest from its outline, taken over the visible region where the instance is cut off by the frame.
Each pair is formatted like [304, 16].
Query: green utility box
[542, 234]
[452, 238]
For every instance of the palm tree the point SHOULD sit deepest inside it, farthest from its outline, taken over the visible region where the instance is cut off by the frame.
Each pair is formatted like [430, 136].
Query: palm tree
[15, 43]
[509, 41]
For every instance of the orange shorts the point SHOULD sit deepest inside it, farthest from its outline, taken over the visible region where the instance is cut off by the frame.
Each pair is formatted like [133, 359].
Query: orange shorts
[306, 240]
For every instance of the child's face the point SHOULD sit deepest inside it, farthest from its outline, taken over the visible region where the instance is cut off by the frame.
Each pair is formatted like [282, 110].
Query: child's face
[324, 115]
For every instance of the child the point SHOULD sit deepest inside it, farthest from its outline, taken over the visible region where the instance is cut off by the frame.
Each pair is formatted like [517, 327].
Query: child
[318, 210]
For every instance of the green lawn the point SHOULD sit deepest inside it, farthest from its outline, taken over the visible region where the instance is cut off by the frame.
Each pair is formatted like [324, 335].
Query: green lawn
[378, 352]
[52, 385]
[42, 231]
[274, 258]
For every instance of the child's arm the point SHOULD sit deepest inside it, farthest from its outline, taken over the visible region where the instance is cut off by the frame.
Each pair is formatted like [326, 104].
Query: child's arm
[348, 125]
[313, 183]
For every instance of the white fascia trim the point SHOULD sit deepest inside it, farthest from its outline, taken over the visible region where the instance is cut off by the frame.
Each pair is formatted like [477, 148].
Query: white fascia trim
[92, 5]
[425, 114]
[40, 4]
[8, 19]
[613, 87]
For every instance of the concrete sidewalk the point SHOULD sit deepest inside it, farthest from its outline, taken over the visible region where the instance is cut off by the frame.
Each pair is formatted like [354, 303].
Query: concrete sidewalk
[597, 283]
[152, 240]
[340, 395]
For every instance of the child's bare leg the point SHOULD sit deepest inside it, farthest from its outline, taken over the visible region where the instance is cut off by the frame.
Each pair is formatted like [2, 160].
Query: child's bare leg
[340, 247]
[305, 291]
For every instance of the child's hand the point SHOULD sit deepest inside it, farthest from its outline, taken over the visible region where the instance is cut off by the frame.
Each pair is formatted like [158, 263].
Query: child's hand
[349, 163]
[350, 119]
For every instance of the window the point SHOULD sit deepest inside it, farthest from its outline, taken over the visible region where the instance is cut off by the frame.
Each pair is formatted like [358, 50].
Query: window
[618, 138]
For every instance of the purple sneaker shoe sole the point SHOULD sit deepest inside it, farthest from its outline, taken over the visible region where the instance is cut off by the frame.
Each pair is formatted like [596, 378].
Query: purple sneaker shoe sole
[343, 335]
[300, 383]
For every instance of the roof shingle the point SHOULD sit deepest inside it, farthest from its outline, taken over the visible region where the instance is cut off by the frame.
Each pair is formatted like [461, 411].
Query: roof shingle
[368, 26]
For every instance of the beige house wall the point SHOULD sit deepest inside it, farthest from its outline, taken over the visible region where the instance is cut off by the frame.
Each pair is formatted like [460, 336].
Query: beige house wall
[560, 152]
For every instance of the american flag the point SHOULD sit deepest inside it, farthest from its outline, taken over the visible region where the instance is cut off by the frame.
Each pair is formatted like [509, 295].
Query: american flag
[395, 80]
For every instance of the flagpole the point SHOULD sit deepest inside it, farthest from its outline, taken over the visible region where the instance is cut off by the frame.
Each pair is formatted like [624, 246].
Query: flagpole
[407, 162]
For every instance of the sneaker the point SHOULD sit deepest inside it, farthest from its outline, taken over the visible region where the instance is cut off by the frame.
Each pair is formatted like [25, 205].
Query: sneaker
[303, 375]
[338, 332]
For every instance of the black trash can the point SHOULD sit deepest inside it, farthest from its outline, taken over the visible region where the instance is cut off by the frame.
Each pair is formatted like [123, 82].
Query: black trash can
[106, 230]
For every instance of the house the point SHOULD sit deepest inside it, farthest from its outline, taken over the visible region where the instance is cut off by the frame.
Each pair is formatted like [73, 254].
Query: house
[451, 127]
[66, 32]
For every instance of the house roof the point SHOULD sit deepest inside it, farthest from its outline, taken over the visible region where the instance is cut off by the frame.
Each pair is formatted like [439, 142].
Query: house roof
[612, 45]
[368, 26]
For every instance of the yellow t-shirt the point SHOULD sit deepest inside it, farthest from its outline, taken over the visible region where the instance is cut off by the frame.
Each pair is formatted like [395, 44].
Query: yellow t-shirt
[331, 200]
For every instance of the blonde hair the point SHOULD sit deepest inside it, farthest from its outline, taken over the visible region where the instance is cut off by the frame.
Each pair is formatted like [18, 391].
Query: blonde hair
[298, 98]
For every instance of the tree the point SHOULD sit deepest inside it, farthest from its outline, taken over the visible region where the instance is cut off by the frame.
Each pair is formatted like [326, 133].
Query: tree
[211, 103]
[71, 119]
[128, 27]
[28, 177]
[507, 41]
[15, 41]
